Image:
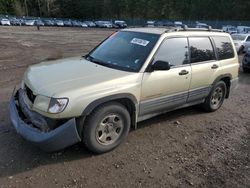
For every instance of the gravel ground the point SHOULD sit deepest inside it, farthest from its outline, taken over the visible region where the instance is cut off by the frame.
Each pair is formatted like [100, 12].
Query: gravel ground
[184, 148]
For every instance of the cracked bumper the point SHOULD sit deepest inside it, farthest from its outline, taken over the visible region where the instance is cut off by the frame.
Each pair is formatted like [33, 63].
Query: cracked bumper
[57, 139]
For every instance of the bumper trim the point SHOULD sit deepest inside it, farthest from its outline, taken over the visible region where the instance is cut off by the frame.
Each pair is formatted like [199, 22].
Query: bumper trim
[57, 139]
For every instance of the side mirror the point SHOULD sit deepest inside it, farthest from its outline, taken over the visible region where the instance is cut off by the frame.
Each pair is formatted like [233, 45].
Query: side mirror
[160, 65]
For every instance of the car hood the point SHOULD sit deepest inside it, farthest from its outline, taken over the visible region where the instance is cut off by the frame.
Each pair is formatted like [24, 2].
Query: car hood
[54, 77]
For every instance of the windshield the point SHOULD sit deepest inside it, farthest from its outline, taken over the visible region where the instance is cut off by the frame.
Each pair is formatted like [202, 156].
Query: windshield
[238, 37]
[124, 50]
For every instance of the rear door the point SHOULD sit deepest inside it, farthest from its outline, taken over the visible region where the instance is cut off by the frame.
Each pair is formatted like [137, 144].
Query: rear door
[205, 67]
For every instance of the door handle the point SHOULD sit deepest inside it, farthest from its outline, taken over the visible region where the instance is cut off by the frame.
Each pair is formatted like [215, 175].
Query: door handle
[183, 72]
[215, 66]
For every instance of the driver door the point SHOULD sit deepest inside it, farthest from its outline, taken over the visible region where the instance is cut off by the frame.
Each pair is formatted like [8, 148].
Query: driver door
[167, 89]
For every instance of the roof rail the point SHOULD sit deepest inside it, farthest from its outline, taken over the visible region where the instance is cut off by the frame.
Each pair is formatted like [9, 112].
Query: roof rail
[186, 28]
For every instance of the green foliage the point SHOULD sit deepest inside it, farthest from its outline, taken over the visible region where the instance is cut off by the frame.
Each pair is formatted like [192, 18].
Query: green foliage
[132, 9]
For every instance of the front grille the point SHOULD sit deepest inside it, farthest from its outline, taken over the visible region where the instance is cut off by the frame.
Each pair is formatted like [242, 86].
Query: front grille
[30, 94]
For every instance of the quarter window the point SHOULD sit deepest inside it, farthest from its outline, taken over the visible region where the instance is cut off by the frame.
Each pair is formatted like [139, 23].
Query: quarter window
[201, 49]
[174, 51]
[224, 47]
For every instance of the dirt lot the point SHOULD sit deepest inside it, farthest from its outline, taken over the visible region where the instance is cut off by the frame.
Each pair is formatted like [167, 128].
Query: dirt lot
[200, 150]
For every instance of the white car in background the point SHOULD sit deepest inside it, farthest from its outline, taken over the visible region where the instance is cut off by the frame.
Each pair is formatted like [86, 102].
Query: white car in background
[243, 29]
[5, 21]
[241, 42]
[229, 29]
[29, 22]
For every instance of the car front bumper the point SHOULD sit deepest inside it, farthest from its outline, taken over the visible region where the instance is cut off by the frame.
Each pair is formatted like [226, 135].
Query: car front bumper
[63, 136]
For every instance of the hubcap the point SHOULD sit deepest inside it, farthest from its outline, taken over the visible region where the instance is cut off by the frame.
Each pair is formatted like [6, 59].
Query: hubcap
[217, 97]
[109, 129]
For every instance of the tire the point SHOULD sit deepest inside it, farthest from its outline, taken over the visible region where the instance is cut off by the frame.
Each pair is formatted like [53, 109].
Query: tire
[106, 127]
[216, 97]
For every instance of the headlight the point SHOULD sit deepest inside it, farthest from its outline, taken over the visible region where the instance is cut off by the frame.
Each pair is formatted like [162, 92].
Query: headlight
[57, 105]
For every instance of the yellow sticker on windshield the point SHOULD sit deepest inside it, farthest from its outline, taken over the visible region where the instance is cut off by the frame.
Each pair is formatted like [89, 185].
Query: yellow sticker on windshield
[140, 42]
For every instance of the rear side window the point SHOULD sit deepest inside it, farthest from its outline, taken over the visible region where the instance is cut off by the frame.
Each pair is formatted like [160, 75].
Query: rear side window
[201, 49]
[224, 47]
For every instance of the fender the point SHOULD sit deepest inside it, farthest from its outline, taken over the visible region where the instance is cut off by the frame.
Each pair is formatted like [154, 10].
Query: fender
[100, 101]
[220, 78]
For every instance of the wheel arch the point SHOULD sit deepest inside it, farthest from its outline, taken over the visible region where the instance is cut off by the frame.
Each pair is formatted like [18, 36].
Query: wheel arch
[128, 100]
[227, 79]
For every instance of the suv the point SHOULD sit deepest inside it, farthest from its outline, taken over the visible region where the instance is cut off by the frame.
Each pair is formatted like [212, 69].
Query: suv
[241, 42]
[131, 76]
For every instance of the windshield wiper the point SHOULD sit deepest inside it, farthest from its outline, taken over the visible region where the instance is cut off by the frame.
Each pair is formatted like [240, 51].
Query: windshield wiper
[97, 61]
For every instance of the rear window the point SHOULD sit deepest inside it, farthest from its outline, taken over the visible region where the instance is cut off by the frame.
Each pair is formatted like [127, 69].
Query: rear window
[224, 47]
[201, 49]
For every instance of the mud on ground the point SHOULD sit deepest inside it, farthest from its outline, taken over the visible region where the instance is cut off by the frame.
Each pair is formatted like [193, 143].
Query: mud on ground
[200, 150]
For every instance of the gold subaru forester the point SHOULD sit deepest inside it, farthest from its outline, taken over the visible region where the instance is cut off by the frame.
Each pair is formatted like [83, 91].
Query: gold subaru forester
[131, 76]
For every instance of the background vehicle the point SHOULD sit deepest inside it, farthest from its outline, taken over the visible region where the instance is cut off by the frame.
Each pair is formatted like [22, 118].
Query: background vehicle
[243, 29]
[229, 29]
[149, 23]
[163, 24]
[67, 23]
[29, 22]
[246, 61]
[90, 23]
[241, 42]
[120, 23]
[201, 25]
[16, 22]
[5, 21]
[104, 24]
[39, 23]
[48, 22]
[59, 23]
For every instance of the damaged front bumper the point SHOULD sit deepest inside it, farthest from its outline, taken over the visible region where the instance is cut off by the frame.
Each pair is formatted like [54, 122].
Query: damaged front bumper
[63, 136]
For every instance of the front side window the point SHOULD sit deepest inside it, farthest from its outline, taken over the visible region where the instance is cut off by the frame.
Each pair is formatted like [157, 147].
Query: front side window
[174, 51]
[124, 50]
[224, 47]
[201, 49]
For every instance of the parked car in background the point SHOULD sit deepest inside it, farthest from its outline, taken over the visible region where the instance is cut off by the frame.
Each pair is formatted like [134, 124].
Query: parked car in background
[29, 22]
[229, 29]
[120, 23]
[178, 24]
[59, 23]
[90, 23]
[67, 23]
[246, 61]
[241, 42]
[5, 21]
[149, 23]
[83, 24]
[104, 24]
[201, 25]
[243, 29]
[39, 23]
[48, 22]
[15, 22]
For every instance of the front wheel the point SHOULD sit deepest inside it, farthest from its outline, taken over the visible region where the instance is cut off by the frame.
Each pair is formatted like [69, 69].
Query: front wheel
[106, 127]
[216, 97]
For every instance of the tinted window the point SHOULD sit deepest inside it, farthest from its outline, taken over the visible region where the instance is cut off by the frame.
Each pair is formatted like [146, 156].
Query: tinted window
[224, 47]
[248, 38]
[174, 51]
[124, 50]
[201, 49]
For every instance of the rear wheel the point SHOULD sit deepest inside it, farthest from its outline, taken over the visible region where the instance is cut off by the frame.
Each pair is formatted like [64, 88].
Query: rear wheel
[216, 97]
[106, 127]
